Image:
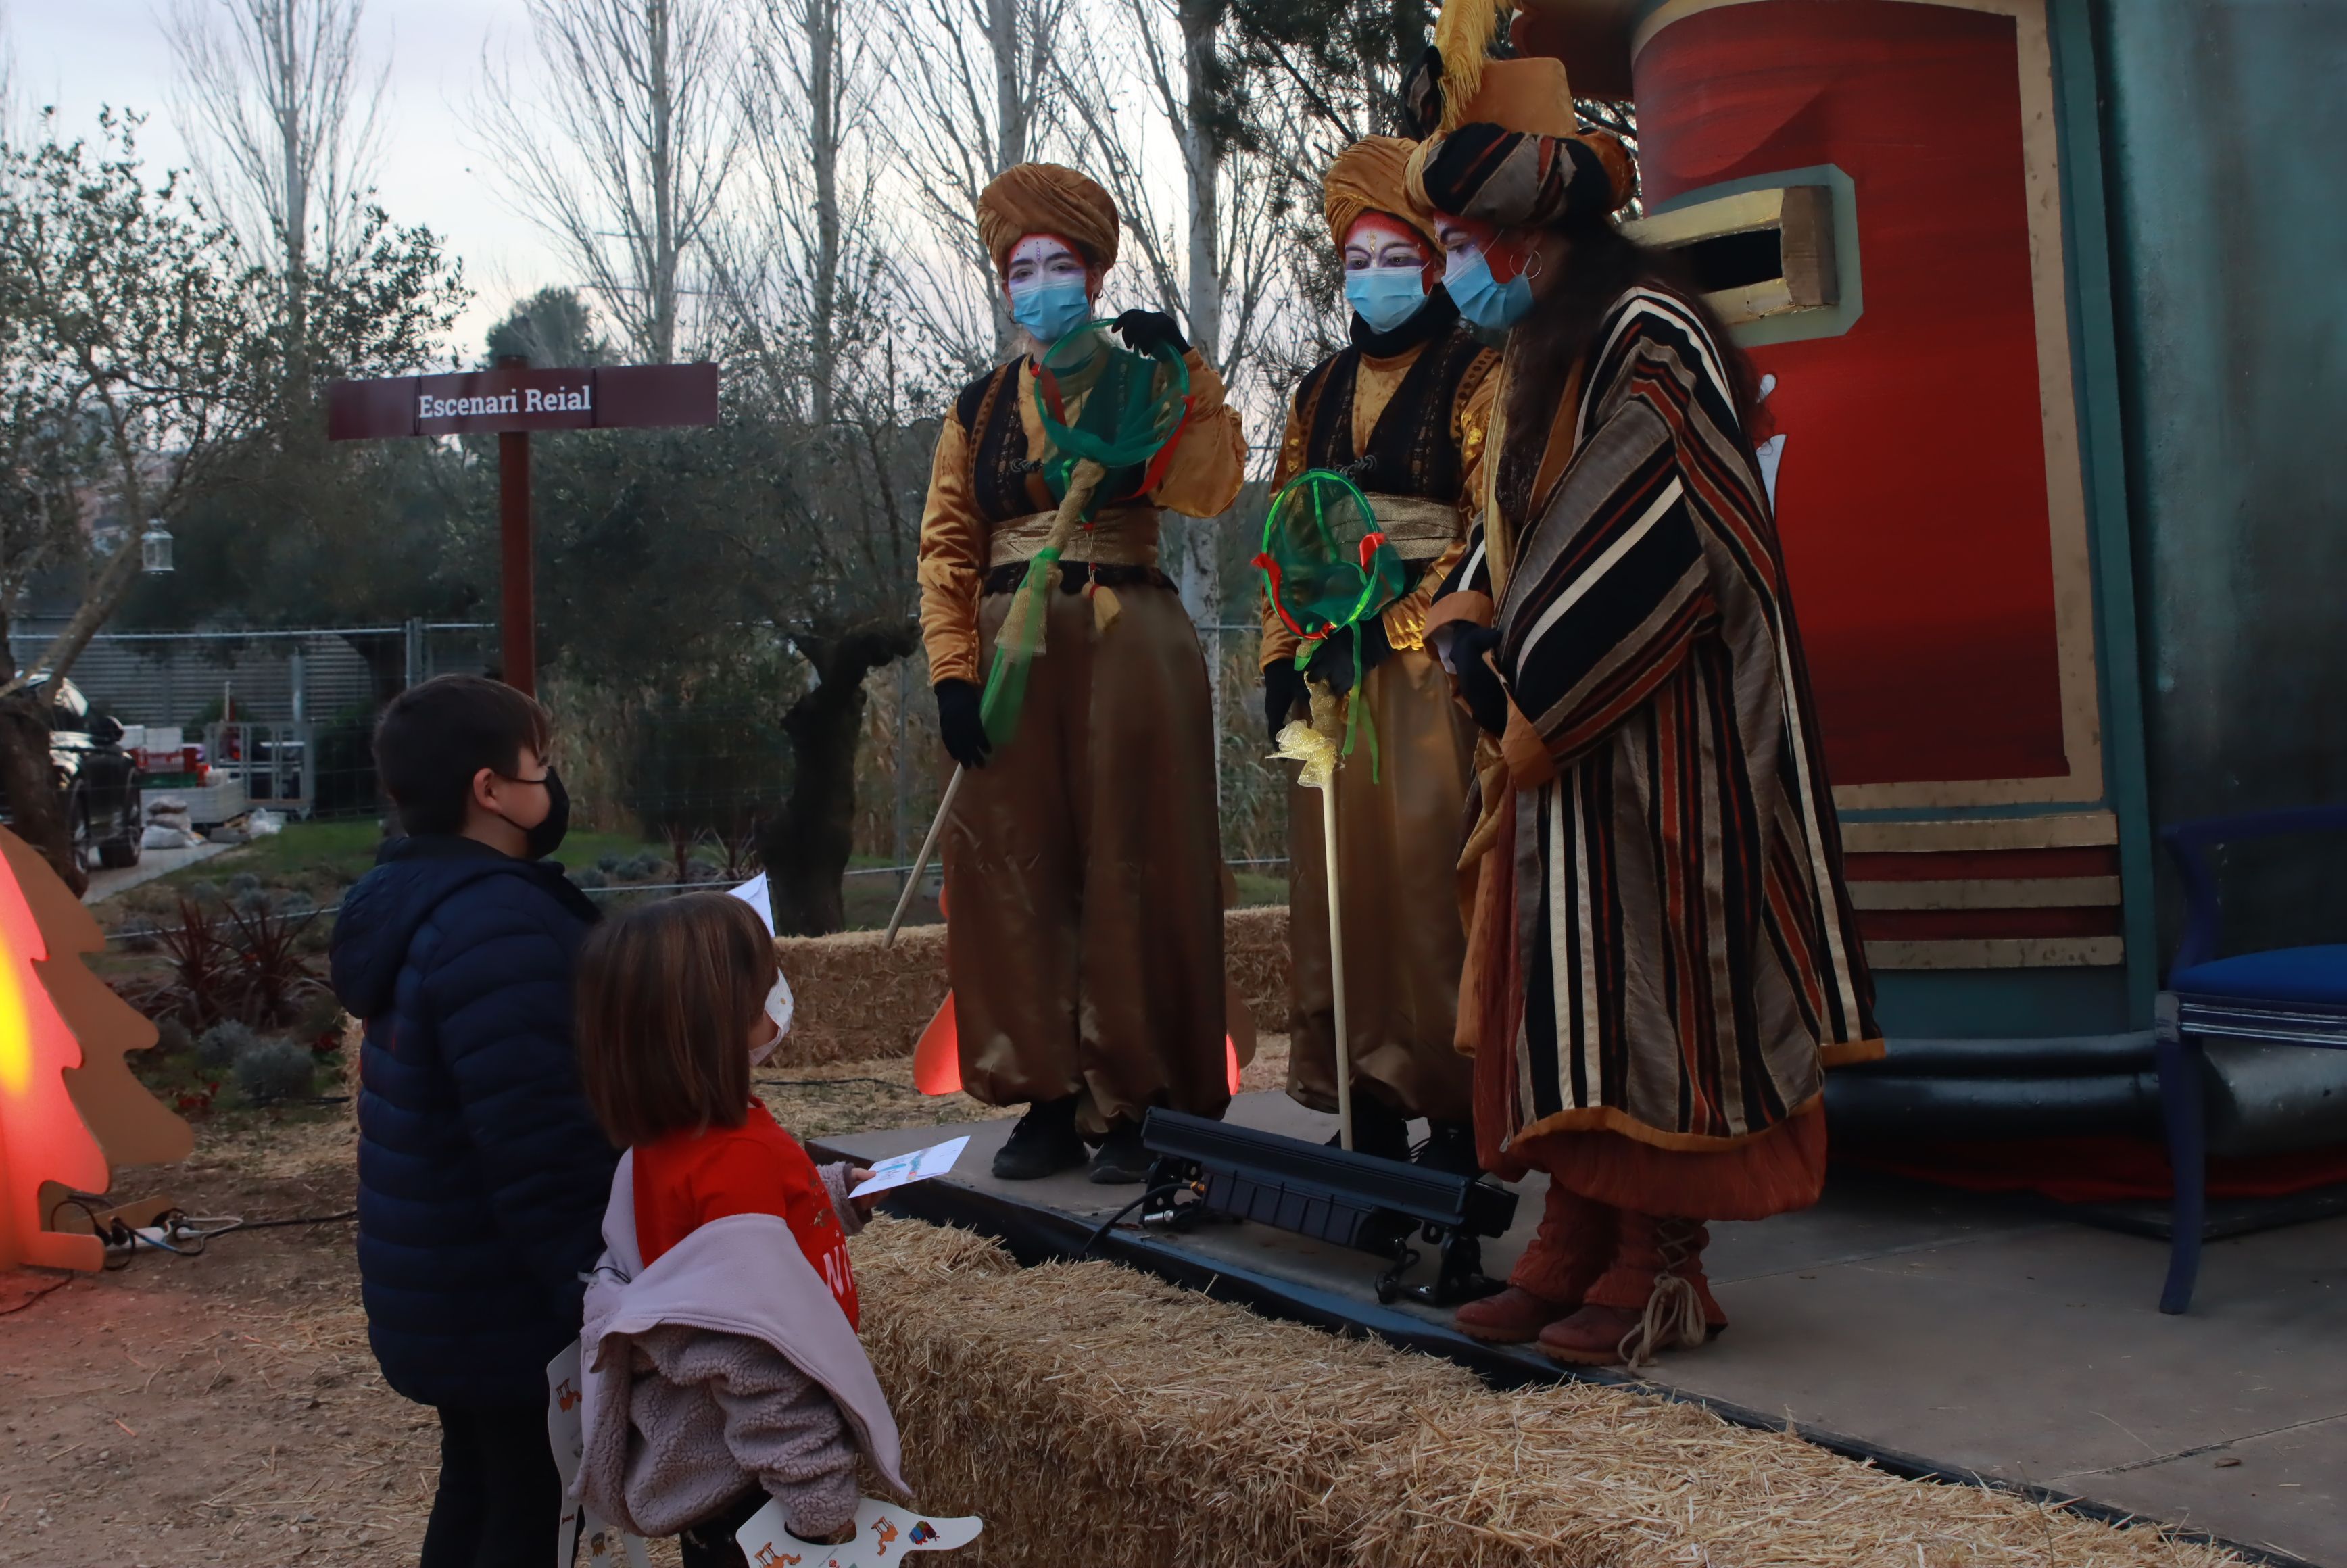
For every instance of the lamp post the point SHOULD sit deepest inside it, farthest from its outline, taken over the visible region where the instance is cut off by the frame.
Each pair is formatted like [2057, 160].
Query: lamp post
[155, 549]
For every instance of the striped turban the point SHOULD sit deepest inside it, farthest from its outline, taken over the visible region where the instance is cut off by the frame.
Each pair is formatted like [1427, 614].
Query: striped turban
[1520, 179]
[1047, 198]
[1373, 176]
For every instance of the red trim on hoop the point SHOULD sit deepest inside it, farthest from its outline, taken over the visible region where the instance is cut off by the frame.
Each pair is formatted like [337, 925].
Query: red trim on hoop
[1269, 566]
[1152, 475]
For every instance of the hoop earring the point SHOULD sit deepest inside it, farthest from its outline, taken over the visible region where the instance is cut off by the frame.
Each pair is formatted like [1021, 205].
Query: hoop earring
[1533, 268]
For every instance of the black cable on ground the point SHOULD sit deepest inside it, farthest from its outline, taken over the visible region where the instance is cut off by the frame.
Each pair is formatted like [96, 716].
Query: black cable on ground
[828, 1082]
[294, 1220]
[45, 1290]
[1109, 1224]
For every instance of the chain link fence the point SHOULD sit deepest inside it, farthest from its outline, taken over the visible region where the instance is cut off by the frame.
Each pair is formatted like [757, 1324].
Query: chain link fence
[288, 717]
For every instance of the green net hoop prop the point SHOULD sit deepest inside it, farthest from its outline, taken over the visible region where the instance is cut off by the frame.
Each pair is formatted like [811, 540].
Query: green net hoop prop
[1327, 569]
[1104, 404]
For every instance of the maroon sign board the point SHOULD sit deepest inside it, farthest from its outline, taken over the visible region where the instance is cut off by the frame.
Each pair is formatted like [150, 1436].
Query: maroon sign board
[604, 397]
[512, 400]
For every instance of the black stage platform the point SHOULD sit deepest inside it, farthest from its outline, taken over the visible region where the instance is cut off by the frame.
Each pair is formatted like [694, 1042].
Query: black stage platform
[1930, 1331]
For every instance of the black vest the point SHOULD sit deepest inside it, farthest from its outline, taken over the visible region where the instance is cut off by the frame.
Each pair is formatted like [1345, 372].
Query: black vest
[1005, 482]
[1411, 450]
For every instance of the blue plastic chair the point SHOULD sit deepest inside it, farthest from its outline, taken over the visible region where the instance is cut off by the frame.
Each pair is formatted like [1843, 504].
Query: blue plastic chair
[2288, 996]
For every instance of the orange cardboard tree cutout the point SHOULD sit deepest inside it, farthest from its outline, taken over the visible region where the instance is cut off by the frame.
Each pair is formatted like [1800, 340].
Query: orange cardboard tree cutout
[69, 1108]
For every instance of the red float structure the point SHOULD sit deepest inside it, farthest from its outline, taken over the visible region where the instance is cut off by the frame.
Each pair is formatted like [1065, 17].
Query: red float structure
[1897, 206]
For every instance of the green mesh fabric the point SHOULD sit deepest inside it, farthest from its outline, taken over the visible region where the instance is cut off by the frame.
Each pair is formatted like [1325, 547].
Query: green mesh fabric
[1324, 563]
[1100, 403]
[1100, 400]
[1327, 570]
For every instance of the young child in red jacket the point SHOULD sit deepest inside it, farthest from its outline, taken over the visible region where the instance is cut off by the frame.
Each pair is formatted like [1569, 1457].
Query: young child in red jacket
[720, 1351]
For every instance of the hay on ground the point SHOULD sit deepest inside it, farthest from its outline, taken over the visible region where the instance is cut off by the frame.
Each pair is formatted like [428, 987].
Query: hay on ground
[1093, 1414]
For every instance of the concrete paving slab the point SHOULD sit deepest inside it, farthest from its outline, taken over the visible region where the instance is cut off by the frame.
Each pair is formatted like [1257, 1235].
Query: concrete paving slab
[2292, 1483]
[1973, 1333]
[152, 863]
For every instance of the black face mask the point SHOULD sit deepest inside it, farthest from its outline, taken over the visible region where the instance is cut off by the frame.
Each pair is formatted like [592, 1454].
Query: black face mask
[543, 840]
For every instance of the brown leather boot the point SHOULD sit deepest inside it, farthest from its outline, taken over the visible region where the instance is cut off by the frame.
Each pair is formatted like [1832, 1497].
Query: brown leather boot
[1590, 1337]
[1569, 1250]
[1510, 1318]
[1653, 1299]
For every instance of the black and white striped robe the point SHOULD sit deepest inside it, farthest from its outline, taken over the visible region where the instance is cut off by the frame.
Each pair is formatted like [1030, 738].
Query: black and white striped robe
[1683, 960]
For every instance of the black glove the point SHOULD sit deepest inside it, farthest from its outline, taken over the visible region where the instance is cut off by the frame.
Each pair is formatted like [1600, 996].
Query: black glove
[1283, 688]
[1146, 331]
[1332, 662]
[1480, 686]
[959, 723]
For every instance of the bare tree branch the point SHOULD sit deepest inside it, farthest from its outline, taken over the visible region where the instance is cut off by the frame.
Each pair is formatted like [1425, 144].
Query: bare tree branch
[624, 162]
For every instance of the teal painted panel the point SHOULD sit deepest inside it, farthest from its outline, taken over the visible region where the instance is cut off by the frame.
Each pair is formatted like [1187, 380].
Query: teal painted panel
[2000, 1004]
[2225, 135]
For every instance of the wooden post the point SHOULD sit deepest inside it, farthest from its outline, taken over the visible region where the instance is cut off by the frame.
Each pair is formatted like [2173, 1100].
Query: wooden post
[518, 620]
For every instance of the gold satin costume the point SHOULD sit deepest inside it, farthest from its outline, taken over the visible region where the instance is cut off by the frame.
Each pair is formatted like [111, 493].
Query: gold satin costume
[1404, 412]
[1084, 863]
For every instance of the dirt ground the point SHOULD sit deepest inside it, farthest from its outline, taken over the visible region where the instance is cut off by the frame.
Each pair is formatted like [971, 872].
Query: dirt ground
[224, 1408]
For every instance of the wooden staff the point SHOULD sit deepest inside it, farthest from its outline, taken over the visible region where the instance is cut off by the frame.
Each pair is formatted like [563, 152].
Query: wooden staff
[1081, 483]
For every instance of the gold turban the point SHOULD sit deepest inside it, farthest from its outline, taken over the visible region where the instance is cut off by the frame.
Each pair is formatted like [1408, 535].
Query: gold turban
[1371, 176]
[1047, 198]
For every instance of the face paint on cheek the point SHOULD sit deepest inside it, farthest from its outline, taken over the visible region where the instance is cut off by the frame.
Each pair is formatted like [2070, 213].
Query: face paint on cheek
[1050, 289]
[1508, 255]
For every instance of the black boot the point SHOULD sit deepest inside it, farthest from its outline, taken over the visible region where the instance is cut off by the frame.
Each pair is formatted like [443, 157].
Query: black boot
[1378, 1129]
[1450, 1146]
[1043, 1143]
[1121, 1160]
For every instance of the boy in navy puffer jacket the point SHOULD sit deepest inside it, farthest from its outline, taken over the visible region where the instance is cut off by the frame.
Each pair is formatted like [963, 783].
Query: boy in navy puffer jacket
[482, 1172]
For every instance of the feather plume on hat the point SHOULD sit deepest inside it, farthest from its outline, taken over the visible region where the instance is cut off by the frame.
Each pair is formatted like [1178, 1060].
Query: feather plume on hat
[1463, 36]
[1528, 141]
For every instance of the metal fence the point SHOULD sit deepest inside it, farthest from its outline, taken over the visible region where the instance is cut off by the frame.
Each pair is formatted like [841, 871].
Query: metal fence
[290, 714]
[285, 717]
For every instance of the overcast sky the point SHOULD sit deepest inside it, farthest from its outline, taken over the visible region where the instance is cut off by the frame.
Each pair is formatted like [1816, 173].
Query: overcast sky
[81, 54]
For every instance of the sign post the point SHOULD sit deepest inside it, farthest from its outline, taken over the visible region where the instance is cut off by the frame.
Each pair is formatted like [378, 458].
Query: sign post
[518, 555]
[514, 400]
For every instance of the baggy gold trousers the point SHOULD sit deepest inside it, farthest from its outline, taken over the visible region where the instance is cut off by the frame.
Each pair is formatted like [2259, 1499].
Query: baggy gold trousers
[1398, 843]
[1083, 875]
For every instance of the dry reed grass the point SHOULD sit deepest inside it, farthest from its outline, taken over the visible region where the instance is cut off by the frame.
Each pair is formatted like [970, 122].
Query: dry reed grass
[861, 1002]
[1095, 1415]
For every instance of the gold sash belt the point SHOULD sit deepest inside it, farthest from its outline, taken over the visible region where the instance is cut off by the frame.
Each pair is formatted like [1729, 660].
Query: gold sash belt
[1121, 536]
[1419, 529]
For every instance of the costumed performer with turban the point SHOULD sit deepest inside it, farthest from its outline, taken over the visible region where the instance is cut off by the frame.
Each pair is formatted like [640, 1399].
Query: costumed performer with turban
[1662, 957]
[1083, 863]
[1400, 412]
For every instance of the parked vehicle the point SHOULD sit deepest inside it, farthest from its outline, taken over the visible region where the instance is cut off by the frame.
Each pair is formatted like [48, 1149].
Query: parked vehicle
[97, 781]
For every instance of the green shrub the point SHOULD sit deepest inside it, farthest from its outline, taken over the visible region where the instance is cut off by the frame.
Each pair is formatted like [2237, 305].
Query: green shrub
[221, 1046]
[273, 1069]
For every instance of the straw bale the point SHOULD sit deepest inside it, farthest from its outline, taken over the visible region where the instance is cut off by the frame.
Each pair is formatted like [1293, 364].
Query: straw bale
[859, 1000]
[1255, 955]
[1096, 1415]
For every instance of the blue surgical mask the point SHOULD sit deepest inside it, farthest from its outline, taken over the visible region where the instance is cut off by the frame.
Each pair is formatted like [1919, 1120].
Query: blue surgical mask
[1385, 297]
[1050, 310]
[1483, 300]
